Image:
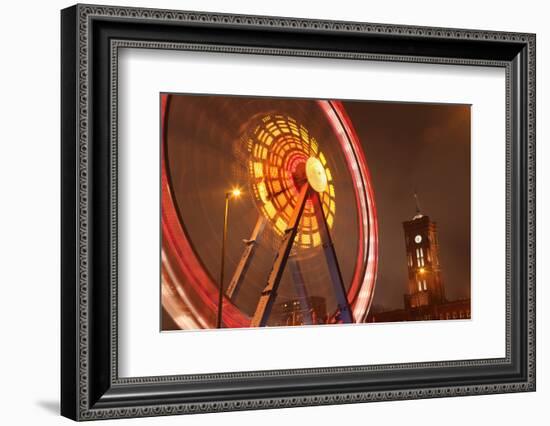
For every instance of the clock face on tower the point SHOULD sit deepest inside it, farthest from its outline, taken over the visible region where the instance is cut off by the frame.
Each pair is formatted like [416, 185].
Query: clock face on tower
[418, 239]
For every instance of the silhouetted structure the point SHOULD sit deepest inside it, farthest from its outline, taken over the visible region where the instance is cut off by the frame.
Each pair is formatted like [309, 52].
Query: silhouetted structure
[311, 310]
[425, 298]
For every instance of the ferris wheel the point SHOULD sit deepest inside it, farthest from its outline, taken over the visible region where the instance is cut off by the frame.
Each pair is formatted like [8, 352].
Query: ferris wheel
[306, 223]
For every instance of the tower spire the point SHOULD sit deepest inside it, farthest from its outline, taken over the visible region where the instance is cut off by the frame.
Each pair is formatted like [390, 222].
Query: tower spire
[417, 202]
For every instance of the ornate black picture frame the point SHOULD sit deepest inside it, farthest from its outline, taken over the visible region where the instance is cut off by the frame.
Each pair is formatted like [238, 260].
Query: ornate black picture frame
[90, 385]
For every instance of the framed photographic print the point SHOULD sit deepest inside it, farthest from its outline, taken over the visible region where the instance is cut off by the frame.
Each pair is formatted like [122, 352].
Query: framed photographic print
[264, 212]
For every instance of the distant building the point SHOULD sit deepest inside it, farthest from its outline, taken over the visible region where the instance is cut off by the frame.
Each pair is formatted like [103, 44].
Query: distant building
[311, 310]
[425, 298]
[457, 309]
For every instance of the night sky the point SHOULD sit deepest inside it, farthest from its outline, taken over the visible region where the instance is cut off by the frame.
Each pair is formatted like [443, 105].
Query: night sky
[407, 146]
[422, 147]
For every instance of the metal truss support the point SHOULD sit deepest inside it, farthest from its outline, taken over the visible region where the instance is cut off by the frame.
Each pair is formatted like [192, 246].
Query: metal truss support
[248, 253]
[344, 309]
[300, 286]
[269, 294]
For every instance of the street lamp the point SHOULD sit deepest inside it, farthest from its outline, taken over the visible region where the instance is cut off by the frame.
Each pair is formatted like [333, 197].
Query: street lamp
[234, 193]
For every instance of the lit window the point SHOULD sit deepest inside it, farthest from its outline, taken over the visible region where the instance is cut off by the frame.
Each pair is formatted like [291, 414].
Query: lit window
[425, 285]
[420, 257]
[419, 286]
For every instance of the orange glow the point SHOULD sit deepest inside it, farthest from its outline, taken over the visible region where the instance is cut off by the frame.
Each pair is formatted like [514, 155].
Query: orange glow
[280, 145]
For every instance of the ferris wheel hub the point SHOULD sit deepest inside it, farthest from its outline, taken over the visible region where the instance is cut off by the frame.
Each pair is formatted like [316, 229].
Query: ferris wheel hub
[316, 175]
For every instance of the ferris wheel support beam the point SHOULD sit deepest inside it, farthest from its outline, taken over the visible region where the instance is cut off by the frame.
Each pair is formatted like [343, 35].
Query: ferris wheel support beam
[344, 308]
[301, 289]
[269, 293]
[248, 253]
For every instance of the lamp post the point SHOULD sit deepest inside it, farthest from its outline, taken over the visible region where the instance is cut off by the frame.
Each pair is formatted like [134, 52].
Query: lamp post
[234, 193]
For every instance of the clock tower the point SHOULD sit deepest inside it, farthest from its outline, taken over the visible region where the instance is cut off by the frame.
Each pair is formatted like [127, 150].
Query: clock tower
[425, 286]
